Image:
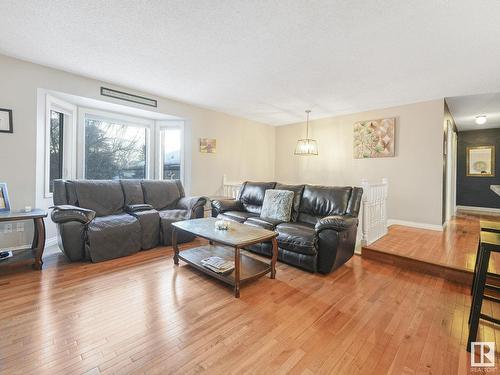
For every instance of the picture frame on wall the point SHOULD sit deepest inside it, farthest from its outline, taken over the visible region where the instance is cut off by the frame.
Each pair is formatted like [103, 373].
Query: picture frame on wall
[6, 123]
[374, 138]
[481, 161]
[4, 198]
[208, 145]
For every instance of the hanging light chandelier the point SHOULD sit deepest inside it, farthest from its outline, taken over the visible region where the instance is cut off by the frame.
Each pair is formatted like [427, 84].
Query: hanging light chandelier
[307, 146]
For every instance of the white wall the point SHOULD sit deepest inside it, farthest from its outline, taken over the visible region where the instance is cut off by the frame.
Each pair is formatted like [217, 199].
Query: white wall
[245, 149]
[415, 174]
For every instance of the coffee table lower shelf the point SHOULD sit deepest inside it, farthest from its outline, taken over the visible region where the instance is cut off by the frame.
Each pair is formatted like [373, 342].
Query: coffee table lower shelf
[250, 268]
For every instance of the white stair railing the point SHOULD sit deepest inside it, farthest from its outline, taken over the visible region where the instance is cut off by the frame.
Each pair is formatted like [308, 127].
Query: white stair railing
[230, 189]
[374, 211]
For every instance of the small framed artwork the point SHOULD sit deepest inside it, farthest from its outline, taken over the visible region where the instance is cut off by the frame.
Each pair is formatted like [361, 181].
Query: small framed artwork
[208, 146]
[6, 121]
[481, 161]
[4, 198]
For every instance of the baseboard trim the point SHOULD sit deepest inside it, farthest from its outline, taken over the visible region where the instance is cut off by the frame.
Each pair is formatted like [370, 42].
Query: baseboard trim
[480, 209]
[414, 224]
[51, 242]
[48, 242]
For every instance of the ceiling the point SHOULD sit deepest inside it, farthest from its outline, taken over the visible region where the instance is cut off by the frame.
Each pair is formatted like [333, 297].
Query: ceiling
[267, 60]
[464, 110]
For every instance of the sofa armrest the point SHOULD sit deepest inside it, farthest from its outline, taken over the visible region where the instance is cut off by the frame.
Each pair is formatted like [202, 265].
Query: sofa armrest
[66, 213]
[191, 203]
[131, 208]
[224, 205]
[336, 223]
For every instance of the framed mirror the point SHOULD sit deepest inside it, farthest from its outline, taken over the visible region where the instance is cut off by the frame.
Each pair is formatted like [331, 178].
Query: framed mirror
[481, 161]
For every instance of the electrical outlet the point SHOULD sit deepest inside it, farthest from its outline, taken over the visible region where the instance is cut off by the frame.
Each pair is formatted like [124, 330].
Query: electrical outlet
[20, 227]
[7, 228]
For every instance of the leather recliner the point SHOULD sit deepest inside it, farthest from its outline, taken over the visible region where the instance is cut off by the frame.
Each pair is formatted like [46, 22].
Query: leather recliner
[106, 219]
[321, 235]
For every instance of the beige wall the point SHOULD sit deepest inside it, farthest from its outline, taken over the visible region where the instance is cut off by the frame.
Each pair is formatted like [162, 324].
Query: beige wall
[415, 173]
[245, 149]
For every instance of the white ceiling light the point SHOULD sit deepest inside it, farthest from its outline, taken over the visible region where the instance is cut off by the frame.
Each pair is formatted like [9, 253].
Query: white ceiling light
[480, 120]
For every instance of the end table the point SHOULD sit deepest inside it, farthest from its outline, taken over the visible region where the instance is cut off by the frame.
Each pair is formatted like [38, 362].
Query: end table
[38, 244]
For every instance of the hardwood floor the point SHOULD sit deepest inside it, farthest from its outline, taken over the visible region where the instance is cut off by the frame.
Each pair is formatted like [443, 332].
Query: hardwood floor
[140, 314]
[452, 249]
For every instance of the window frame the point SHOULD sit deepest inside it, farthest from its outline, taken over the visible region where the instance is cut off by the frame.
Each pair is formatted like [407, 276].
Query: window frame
[60, 116]
[160, 126]
[127, 120]
[69, 112]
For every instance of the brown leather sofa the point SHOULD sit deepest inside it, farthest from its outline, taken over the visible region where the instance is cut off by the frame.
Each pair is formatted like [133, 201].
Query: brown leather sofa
[321, 235]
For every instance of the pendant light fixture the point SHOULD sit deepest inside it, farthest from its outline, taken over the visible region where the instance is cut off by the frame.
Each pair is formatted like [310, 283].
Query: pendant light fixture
[307, 146]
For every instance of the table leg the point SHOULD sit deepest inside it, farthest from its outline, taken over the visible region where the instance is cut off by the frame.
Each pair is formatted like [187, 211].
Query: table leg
[35, 236]
[237, 272]
[39, 241]
[274, 258]
[174, 244]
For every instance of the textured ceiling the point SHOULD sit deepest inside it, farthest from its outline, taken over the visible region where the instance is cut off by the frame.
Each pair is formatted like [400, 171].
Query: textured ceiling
[464, 110]
[267, 60]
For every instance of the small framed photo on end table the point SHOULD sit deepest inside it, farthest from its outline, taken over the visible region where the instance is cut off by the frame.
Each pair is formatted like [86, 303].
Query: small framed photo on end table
[4, 197]
[6, 125]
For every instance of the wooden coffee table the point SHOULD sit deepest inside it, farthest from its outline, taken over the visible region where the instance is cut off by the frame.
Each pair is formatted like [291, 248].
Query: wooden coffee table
[226, 244]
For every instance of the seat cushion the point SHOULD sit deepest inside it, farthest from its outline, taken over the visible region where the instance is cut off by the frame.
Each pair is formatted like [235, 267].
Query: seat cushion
[265, 223]
[297, 237]
[113, 236]
[175, 215]
[167, 217]
[238, 216]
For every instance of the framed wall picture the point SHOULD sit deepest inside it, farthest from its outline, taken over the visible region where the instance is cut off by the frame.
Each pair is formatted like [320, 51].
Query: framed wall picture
[6, 125]
[481, 161]
[374, 138]
[4, 197]
[208, 146]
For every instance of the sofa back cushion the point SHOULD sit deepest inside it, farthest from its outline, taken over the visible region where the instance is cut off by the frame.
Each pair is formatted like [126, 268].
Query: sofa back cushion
[321, 201]
[252, 195]
[71, 193]
[59, 194]
[161, 194]
[355, 202]
[297, 191]
[105, 197]
[132, 190]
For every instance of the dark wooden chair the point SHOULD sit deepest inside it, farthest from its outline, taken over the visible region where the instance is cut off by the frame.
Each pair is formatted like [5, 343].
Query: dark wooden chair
[486, 226]
[489, 242]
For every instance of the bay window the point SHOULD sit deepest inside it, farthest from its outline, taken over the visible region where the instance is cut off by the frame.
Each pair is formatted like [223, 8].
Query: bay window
[115, 149]
[170, 153]
[89, 143]
[56, 147]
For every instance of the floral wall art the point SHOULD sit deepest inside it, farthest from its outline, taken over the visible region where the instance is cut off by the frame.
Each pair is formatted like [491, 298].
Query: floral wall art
[374, 138]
